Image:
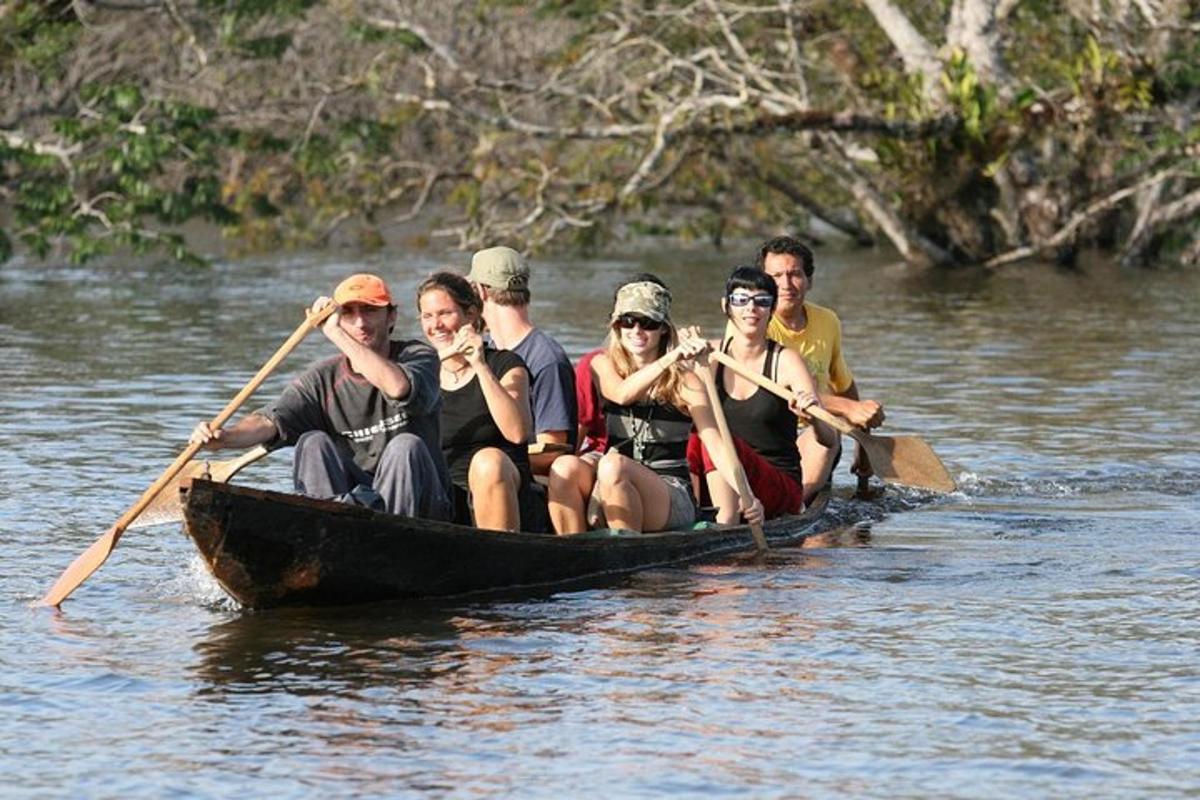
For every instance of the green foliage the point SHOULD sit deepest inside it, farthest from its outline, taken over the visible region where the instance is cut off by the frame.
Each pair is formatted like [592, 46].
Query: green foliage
[128, 151]
[1104, 77]
[581, 10]
[205, 120]
[366, 33]
[250, 10]
[266, 46]
[974, 101]
[36, 34]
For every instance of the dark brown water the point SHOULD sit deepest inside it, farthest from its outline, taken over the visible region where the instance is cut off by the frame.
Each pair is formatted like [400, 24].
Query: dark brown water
[1034, 634]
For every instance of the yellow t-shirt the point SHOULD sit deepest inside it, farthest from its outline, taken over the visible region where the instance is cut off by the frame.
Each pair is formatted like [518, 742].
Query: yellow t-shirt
[820, 345]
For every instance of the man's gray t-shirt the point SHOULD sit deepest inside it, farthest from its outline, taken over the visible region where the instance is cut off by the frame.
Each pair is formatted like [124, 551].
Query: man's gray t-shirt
[551, 385]
[329, 396]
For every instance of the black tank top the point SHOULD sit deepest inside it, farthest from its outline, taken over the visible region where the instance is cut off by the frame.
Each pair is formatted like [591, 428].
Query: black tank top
[468, 427]
[763, 420]
[654, 434]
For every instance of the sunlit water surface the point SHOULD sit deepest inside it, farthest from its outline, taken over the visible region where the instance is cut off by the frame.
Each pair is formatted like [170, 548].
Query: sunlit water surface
[1034, 634]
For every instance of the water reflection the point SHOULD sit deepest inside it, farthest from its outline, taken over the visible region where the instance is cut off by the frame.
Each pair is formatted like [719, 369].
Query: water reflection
[324, 651]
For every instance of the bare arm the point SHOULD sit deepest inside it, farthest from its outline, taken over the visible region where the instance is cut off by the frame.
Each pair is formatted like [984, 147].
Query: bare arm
[380, 371]
[250, 430]
[710, 436]
[507, 398]
[863, 413]
[794, 374]
[636, 386]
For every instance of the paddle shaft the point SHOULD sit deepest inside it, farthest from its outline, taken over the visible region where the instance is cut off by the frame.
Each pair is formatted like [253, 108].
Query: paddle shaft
[92, 558]
[743, 485]
[781, 391]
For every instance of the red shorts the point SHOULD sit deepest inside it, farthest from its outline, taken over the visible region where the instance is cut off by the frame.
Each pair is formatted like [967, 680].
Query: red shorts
[780, 492]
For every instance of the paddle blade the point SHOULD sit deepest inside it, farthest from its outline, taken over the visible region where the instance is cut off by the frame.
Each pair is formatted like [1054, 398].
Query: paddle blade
[166, 506]
[906, 461]
[81, 568]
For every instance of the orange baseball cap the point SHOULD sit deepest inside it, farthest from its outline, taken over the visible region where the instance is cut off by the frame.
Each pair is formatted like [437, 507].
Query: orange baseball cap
[363, 288]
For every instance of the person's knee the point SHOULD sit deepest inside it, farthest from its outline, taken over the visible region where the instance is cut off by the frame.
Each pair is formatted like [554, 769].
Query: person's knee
[612, 469]
[564, 472]
[488, 468]
[311, 440]
[405, 447]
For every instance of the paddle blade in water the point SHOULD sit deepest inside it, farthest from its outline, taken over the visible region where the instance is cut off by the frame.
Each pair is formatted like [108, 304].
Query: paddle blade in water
[84, 565]
[906, 461]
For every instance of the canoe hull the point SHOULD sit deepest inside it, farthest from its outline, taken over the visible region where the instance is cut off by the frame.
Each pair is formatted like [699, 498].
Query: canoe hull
[268, 548]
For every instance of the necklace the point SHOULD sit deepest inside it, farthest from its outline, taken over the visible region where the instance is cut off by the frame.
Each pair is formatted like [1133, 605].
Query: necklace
[640, 433]
[455, 376]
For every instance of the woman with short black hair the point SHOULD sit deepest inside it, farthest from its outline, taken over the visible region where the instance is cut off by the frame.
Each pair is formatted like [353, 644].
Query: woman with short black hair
[763, 425]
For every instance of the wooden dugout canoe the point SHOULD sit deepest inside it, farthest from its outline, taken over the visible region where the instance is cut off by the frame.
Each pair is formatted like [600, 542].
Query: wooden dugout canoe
[269, 548]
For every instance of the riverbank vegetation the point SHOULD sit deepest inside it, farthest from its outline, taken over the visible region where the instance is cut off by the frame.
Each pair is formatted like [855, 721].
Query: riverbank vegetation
[955, 131]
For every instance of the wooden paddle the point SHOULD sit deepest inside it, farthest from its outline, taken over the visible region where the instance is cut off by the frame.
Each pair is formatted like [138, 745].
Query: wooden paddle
[90, 560]
[167, 508]
[901, 460]
[743, 485]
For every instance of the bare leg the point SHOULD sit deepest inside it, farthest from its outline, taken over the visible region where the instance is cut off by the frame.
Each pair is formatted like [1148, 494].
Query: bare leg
[570, 486]
[494, 480]
[634, 497]
[816, 462]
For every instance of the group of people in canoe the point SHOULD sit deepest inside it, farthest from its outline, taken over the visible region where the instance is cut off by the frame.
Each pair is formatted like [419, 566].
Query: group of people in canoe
[487, 423]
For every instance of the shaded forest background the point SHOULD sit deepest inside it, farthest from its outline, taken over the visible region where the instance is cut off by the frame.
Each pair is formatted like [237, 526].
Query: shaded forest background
[955, 131]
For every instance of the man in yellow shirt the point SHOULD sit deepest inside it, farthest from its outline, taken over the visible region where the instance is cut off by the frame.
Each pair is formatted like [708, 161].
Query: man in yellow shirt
[816, 333]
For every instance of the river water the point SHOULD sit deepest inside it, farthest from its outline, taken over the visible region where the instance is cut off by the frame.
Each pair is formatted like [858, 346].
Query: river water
[1034, 634]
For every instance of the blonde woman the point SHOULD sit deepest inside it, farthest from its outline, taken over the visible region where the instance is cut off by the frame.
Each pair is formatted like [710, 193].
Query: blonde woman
[650, 400]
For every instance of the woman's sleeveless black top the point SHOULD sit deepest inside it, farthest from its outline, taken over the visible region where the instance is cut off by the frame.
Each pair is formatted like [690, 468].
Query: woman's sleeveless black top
[763, 420]
[654, 434]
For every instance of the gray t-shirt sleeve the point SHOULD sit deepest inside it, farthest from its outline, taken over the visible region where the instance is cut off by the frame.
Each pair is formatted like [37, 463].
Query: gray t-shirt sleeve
[297, 410]
[420, 363]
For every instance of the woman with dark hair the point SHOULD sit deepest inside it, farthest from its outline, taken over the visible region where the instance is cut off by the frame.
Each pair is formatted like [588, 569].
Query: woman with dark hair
[650, 402]
[486, 419]
[763, 425]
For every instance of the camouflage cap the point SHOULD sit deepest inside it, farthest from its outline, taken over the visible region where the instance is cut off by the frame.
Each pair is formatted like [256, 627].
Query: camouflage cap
[645, 298]
[499, 268]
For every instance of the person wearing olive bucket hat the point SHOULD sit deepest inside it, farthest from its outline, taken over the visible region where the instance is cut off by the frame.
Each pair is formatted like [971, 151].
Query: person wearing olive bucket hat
[500, 276]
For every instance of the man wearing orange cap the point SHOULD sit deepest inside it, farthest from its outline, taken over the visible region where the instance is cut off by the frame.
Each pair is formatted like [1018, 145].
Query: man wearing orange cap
[365, 423]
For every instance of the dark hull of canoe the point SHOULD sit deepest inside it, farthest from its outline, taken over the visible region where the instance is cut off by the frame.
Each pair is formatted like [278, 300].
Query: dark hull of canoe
[268, 548]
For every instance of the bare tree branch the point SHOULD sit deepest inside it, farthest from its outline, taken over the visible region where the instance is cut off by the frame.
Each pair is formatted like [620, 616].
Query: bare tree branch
[973, 29]
[918, 56]
[1079, 219]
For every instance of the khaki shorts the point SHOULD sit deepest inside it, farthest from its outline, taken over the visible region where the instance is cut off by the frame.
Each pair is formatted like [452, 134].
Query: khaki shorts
[683, 507]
